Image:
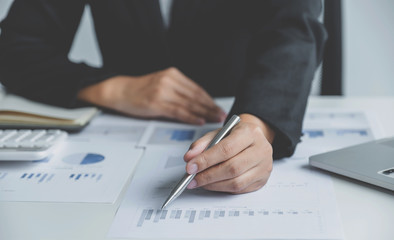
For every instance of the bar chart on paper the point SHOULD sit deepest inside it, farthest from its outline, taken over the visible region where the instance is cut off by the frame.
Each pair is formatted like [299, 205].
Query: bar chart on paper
[209, 216]
[80, 172]
[216, 211]
[37, 177]
[292, 198]
[326, 131]
[85, 177]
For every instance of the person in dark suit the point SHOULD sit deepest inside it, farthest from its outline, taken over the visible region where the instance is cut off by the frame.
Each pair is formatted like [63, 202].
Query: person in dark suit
[262, 52]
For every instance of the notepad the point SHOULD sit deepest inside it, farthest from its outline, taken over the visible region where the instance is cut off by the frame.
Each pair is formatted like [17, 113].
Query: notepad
[19, 112]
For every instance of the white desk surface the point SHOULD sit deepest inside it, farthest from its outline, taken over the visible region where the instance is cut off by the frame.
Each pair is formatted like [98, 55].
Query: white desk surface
[366, 212]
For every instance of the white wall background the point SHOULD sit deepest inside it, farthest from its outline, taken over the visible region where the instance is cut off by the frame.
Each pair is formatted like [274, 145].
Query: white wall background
[4, 6]
[368, 30]
[368, 47]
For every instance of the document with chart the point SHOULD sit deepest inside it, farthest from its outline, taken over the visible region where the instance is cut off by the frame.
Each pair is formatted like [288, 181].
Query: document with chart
[327, 130]
[78, 172]
[295, 203]
[298, 202]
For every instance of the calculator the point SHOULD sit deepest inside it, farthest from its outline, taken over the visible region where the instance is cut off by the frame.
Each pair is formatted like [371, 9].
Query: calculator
[29, 145]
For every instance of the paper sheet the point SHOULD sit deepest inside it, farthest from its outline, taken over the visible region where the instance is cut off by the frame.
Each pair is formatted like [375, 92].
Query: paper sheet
[174, 134]
[78, 172]
[297, 202]
[296, 199]
[329, 129]
[161, 133]
[113, 128]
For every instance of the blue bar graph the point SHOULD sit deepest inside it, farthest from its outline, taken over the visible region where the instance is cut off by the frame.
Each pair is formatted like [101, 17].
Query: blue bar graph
[171, 135]
[50, 177]
[221, 214]
[192, 216]
[343, 132]
[182, 135]
[314, 133]
[157, 216]
[99, 177]
[142, 218]
[85, 177]
[43, 177]
[163, 214]
[37, 177]
[178, 214]
[149, 214]
[207, 213]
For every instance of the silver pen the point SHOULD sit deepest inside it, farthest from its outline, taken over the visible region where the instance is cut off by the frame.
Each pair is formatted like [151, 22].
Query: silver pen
[187, 178]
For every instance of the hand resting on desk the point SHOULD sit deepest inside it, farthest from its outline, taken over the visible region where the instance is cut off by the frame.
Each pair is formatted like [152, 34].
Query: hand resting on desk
[168, 93]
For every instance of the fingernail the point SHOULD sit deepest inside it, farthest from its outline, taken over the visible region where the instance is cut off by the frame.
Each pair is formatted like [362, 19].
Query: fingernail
[192, 169]
[192, 184]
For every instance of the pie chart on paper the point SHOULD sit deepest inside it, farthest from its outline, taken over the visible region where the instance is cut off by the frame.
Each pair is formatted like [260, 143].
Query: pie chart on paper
[84, 158]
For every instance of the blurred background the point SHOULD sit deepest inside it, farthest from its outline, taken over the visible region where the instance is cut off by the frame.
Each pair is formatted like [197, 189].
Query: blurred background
[362, 29]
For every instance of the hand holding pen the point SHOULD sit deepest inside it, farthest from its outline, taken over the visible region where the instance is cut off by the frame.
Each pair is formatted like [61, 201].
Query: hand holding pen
[240, 163]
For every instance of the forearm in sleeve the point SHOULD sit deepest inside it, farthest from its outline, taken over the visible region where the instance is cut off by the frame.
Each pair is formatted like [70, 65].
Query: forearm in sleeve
[283, 56]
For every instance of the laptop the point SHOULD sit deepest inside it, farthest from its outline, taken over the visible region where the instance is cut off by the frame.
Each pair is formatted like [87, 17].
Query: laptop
[371, 162]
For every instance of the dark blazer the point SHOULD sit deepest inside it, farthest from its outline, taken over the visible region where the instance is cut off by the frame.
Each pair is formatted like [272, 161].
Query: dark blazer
[263, 52]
